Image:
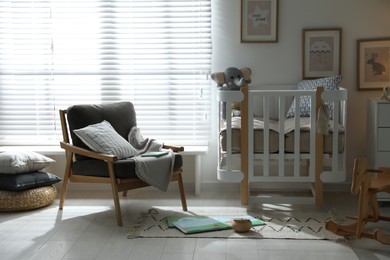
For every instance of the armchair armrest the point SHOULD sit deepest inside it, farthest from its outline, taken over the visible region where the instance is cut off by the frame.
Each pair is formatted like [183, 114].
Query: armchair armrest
[174, 148]
[77, 150]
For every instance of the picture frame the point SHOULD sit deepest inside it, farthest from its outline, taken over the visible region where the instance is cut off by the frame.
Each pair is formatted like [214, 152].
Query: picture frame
[259, 21]
[373, 63]
[321, 52]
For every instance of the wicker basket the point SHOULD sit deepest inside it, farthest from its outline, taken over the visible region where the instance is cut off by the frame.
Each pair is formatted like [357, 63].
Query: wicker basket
[27, 199]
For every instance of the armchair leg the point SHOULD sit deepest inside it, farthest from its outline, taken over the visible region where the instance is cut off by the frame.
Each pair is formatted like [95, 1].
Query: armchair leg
[182, 193]
[115, 194]
[117, 208]
[65, 181]
[63, 192]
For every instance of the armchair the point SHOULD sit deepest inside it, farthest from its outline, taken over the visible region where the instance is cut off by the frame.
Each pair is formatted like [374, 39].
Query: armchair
[87, 166]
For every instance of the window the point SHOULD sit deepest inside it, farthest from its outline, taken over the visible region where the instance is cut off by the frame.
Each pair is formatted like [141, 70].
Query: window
[54, 54]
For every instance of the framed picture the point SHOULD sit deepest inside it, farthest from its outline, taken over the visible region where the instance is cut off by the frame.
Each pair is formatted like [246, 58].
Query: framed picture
[259, 21]
[373, 64]
[321, 53]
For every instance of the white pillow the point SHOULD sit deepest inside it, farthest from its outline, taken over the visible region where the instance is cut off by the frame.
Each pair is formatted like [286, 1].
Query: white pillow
[103, 138]
[23, 162]
[329, 83]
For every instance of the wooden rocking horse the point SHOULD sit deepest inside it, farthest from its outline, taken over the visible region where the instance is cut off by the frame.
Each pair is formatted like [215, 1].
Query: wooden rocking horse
[367, 183]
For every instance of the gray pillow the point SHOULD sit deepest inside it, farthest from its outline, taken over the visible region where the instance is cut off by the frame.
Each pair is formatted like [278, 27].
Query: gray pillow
[12, 162]
[103, 138]
[25, 181]
[329, 83]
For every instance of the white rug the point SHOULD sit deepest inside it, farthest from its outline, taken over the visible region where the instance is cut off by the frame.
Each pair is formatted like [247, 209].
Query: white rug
[279, 225]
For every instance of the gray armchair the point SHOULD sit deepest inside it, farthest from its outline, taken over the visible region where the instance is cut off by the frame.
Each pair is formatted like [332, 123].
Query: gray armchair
[87, 166]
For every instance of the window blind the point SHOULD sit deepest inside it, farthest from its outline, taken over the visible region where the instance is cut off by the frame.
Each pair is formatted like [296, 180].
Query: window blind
[57, 53]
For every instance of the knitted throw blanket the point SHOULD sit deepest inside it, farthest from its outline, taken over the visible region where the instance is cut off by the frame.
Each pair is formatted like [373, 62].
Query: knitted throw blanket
[156, 171]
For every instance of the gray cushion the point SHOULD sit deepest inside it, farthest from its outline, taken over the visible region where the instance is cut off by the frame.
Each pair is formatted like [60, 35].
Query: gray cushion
[123, 168]
[121, 115]
[25, 181]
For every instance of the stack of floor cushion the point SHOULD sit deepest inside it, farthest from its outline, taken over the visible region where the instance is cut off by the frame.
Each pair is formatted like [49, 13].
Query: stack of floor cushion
[24, 184]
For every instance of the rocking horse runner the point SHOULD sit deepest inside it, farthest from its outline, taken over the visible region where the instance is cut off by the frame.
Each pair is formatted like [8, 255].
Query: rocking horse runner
[367, 183]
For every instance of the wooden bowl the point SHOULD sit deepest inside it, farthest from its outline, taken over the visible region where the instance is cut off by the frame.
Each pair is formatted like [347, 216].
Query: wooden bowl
[241, 225]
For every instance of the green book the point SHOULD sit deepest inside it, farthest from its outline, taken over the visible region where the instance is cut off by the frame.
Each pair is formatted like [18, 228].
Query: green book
[154, 154]
[190, 225]
[196, 224]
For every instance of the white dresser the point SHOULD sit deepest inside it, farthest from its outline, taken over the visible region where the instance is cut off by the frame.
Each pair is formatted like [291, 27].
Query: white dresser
[378, 123]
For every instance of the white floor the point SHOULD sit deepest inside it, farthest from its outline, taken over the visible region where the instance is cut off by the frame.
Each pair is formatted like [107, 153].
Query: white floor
[86, 229]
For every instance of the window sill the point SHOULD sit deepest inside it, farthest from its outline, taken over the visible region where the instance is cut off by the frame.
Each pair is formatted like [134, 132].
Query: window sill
[47, 150]
[53, 149]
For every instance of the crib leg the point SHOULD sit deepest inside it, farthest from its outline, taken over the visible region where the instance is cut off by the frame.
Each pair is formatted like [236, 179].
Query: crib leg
[318, 185]
[319, 193]
[244, 147]
[307, 167]
[244, 192]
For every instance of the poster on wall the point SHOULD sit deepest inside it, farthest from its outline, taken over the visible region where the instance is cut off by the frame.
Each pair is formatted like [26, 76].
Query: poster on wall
[373, 64]
[321, 53]
[259, 21]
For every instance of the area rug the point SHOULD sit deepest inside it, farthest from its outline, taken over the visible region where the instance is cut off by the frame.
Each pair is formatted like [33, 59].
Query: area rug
[278, 224]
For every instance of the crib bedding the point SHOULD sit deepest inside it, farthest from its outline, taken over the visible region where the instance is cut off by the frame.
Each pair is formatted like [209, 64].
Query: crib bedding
[289, 126]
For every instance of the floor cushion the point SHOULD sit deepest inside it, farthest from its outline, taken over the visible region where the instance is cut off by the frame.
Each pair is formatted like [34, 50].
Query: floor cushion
[27, 199]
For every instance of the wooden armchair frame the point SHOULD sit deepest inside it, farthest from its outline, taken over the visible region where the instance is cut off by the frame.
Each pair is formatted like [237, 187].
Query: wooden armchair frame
[117, 184]
[366, 183]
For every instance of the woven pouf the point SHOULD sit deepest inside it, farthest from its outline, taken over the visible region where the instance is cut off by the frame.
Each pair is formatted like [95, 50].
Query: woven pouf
[27, 199]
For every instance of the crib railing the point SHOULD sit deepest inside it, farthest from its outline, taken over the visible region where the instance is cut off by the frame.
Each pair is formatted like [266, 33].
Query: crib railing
[264, 96]
[337, 171]
[226, 160]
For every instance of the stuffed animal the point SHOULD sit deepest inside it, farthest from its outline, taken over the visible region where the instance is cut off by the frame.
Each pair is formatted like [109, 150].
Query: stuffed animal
[233, 78]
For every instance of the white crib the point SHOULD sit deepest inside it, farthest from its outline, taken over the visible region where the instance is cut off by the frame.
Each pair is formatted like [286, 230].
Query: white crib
[262, 146]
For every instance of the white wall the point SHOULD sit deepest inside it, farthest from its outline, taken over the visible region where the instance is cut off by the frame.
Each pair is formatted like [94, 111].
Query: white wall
[281, 62]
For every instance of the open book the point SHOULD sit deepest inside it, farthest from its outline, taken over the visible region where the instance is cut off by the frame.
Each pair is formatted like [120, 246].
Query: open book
[196, 224]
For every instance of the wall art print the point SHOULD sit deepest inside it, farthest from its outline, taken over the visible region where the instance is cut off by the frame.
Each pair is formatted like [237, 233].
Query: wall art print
[373, 64]
[259, 21]
[321, 53]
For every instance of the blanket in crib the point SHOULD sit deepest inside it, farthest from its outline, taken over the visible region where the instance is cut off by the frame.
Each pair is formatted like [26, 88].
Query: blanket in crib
[289, 124]
[156, 171]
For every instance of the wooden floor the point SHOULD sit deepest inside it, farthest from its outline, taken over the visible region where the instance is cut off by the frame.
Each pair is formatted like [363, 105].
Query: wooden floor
[86, 229]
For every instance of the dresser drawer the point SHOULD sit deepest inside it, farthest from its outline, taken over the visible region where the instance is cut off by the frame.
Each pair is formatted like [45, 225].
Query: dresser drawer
[384, 115]
[383, 159]
[384, 139]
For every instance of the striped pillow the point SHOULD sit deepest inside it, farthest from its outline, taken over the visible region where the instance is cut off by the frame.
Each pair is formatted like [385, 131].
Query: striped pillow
[103, 138]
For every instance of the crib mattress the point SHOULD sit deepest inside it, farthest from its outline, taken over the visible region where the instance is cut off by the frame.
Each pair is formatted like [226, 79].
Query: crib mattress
[289, 138]
[274, 142]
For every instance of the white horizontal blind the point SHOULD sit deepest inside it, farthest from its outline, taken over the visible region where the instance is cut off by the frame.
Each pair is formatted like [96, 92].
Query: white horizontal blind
[56, 53]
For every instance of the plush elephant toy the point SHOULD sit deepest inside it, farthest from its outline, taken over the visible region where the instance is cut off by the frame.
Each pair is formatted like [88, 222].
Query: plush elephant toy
[233, 78]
